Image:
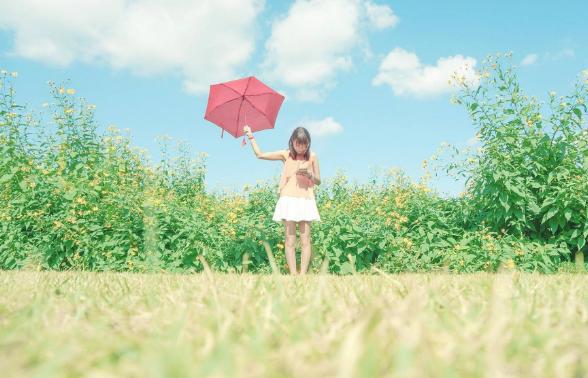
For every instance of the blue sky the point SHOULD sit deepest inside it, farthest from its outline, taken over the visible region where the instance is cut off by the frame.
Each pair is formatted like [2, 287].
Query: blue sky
[368, 78]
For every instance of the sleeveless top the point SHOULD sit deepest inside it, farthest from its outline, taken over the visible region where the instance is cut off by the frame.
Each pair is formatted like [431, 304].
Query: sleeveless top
[293, 185]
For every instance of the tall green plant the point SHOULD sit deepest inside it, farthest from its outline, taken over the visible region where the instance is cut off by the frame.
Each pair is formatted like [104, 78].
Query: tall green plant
[530, 175]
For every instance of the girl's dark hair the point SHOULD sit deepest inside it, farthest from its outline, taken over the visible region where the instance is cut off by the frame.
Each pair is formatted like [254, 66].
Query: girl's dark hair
[301, 135]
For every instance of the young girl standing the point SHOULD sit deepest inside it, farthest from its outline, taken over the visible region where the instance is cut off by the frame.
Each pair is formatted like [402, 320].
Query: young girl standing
[296, 204]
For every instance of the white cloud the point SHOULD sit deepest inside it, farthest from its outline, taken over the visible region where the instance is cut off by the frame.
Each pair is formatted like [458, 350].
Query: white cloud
[533, 58]
[529, 59]
[316, 39]
[406, 75]
[321, 128]
[204, 41]
[561, 54]
[381, 16]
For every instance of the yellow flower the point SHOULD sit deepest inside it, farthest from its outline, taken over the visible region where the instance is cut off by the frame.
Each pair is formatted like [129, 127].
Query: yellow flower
[71, 91]
[61, 91]
[407, 242]
[510, 264]
[232, 217]
[68, 111]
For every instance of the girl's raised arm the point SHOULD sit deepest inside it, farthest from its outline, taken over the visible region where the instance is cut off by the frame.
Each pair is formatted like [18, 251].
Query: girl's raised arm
[274, 155]
[316, 170]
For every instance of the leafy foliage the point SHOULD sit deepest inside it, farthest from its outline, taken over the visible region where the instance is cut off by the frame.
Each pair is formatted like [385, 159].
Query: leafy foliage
[74, 199]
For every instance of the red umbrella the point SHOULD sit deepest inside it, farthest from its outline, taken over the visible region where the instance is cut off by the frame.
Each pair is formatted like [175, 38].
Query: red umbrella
[241, 102]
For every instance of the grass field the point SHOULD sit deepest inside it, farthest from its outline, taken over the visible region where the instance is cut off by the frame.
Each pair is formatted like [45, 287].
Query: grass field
[121, 324]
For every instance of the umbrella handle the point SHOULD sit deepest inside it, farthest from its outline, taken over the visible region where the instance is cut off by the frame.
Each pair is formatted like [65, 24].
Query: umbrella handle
[244, 142]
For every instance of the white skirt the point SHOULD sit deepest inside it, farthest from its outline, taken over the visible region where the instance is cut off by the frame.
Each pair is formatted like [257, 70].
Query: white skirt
[296, 209]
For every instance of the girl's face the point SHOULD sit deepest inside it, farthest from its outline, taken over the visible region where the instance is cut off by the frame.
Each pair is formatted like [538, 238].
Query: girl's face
[300, 148]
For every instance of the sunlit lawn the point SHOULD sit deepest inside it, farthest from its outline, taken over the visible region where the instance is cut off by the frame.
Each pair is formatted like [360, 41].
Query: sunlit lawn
[122, 324]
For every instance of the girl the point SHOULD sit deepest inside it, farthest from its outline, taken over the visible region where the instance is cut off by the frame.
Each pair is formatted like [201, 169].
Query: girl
[297, 204]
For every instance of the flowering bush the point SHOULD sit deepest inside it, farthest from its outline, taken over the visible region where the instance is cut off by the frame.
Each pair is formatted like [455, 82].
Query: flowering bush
[73, 199]
[529, 177]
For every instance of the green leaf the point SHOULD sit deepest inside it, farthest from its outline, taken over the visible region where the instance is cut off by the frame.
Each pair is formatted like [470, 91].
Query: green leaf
[346, 268]
[580, 242]
[549, 214]
[568, 214]
[577, 112]
[6, 178]
[534, 208]
[70, 195]
[548, 201]
[504, 201]
[553, 225]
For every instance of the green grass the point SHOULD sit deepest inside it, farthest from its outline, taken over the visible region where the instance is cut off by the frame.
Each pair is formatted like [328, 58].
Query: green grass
[122, 324]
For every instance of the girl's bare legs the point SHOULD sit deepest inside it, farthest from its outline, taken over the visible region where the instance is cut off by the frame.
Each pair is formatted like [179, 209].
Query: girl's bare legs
[306, 250]
[290, 245]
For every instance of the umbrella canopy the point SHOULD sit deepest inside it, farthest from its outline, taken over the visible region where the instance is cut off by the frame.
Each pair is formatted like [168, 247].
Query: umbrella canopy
[241, 102]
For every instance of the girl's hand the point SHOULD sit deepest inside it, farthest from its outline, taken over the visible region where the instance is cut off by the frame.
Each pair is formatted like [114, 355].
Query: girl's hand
[304, 172]
[247, 131]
